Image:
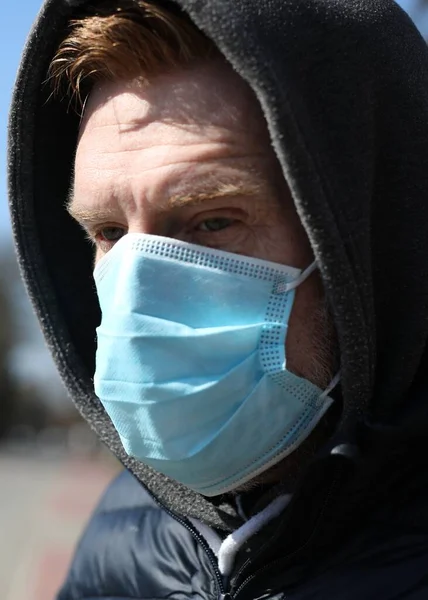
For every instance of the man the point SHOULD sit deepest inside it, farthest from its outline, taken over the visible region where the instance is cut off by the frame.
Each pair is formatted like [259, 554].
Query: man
[251, 179]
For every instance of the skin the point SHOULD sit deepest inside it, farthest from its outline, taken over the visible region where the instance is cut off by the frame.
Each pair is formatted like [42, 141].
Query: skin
[188, 156]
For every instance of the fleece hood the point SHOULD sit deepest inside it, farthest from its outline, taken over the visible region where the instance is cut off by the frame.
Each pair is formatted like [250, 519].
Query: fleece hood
[343, 85]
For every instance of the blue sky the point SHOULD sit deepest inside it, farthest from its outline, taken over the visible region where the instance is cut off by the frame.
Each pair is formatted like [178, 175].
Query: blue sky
[419, 15]
[16, 19]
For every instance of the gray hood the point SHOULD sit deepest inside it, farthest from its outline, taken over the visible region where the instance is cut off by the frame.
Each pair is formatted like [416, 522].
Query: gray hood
[344, 88]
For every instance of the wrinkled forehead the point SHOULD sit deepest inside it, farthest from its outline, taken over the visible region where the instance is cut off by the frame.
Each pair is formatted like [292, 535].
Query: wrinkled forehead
[209, 95]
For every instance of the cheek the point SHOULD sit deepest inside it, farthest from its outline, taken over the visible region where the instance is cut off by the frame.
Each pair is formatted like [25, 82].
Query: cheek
[303, 338]
[281, 239]
[98, 255]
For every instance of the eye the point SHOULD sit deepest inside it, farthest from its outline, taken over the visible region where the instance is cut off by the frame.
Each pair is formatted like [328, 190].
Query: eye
[111, 234]
[215, 224]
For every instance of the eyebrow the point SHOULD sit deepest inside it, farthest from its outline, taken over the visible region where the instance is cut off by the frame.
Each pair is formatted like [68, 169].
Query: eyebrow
[212, 191]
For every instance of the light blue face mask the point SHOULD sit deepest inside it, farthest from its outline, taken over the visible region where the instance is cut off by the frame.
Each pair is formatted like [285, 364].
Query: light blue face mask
[191, 363]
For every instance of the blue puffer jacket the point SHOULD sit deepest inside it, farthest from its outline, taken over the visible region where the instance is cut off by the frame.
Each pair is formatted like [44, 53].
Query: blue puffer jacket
[133, 549]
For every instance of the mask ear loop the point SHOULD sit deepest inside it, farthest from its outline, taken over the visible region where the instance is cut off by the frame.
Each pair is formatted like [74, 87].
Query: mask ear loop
[330, 386]
[301, 278]
[333, 383]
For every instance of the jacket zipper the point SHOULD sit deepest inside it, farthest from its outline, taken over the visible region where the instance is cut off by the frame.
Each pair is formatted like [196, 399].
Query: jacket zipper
[220, 581]
[221, 584]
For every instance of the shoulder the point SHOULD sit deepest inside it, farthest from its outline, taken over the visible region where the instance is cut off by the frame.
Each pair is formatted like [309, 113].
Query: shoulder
[125, 547]
[125, 493]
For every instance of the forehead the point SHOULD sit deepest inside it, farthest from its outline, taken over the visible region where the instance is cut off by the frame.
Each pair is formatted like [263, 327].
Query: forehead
[156, 139]
[207, 96]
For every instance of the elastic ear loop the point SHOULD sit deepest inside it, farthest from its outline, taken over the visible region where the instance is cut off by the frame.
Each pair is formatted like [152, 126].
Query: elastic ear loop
[301, 278]
[330, 386]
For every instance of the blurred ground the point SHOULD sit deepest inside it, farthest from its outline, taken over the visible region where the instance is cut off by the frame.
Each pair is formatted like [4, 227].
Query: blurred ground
[45, 501]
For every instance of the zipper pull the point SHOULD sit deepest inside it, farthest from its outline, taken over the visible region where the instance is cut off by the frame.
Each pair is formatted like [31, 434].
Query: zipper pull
[226, 596]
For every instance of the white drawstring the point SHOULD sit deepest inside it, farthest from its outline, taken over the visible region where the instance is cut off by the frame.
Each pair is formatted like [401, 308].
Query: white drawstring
[231, 545]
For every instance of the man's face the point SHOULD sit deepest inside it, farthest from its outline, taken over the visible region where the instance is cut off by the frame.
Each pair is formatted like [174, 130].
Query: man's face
[189, 157]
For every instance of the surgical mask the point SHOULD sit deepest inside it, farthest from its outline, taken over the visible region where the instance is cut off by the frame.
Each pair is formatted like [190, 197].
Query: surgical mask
[191, 362]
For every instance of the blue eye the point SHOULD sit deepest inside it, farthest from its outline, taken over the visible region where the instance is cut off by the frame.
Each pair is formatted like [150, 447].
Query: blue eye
[111, 234]
[213, 225]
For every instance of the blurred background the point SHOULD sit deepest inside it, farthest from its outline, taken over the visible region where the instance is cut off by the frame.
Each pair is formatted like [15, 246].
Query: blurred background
[52, 468]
